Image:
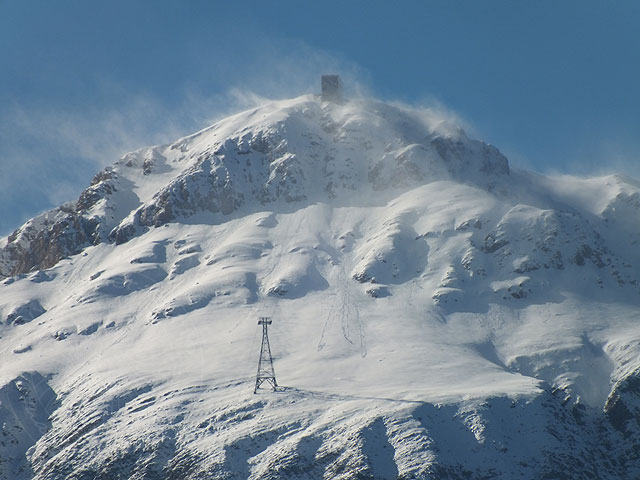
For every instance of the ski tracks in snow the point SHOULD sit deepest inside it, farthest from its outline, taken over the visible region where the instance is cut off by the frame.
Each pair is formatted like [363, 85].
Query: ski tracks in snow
[343, 306]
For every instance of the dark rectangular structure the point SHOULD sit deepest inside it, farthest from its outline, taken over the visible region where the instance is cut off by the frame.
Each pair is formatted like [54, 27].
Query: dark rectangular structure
[331, 88]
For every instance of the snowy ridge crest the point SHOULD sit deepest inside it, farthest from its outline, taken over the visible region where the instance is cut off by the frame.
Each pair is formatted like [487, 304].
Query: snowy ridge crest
[291, 152]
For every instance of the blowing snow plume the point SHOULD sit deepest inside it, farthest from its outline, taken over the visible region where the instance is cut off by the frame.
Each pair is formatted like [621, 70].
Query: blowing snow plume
[289, 152]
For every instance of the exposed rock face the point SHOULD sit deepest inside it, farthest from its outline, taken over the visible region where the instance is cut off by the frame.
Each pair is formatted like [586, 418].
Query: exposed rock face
[202, 188]
[623, 405]
[25, 313]
[549, 239]
[43, 243]
[64, 231]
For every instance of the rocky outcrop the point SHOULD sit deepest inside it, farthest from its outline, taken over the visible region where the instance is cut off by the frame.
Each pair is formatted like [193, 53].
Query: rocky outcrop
[64, 231]
[264, 168]
[42, 243]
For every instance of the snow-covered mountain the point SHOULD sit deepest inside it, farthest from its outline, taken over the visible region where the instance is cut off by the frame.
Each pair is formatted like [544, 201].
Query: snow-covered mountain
[436, 314]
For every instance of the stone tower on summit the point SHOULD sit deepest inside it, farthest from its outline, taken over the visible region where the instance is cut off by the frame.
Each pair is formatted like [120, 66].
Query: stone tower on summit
[331, 88]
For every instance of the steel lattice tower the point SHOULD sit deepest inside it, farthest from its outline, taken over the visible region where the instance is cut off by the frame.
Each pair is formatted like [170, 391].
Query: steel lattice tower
[266, 373]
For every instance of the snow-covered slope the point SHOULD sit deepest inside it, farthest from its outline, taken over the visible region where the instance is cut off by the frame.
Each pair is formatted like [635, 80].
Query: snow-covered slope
[435, 314]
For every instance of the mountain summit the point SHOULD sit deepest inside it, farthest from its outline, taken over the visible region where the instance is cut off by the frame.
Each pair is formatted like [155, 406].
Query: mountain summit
[297, 151]
[436, 314]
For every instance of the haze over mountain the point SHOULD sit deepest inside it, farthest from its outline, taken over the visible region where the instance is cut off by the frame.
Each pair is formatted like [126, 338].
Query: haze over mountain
[436, 314]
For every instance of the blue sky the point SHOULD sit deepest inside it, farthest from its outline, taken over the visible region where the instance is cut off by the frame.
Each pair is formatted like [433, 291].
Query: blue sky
[555, 85]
